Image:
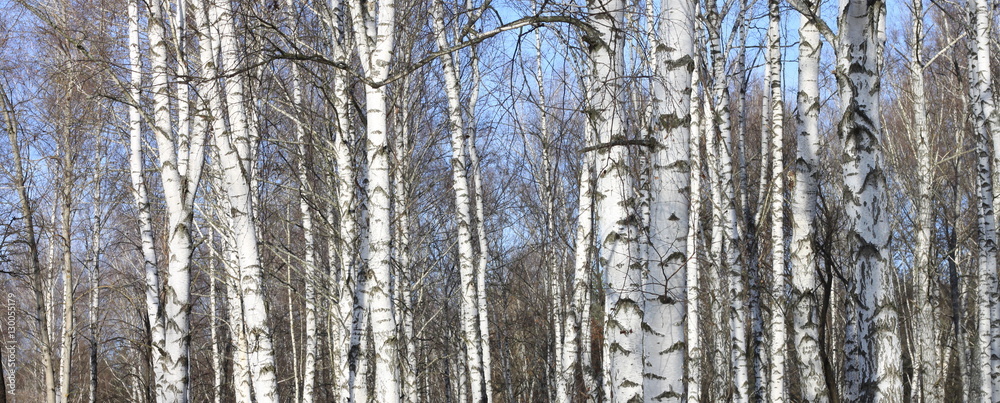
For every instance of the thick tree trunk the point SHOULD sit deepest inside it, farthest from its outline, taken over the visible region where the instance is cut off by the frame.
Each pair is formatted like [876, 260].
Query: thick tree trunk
[663, 342]
[861, 41]
[617, 230]
[803, 203]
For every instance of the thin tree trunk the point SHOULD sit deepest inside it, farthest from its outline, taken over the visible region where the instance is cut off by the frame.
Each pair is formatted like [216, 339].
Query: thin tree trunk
[463, 204]
[309, 264]
[68, 325]
[95, 279]
[925, 386]
[778, 332]
[693, 272]
[480, 222]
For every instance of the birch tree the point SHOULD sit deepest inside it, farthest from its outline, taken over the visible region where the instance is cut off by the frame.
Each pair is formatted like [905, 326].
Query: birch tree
[861, 28]
[926, 385]
[235, 155]
[803, 209]
[616, 226]
[663, 343]
[374, 32]
[986, 126]
[776, 377]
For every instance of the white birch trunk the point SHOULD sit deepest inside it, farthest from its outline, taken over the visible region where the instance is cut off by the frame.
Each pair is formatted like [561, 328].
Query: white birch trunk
[982, 111]
[463, 205]
[692, 272]
[375, 43]
[234, 161]
[95, 279]
[664, 311]
[139, 193]
[776, 376]
[729, 257]
[987, 122]
[176, 186]
[866, 199]
[925, 386]
[309, 263]
[803, 204]
[617, 230]
[66, 232]
[480, 222]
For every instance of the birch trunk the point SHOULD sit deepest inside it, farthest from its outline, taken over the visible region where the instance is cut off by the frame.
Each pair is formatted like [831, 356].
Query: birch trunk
[983, 116]
[66, 232]
[576, 341]
[728, 233]
[663, 341]
[803, 203]
[375, 42]
[139, 192]
[463, 205]
[776, 354]
[926, 387]
[234, 159]
[95, 280]
[345, 208]
[692, 271]
[859, 81]
[309, 263]
[180, 181]
[480, 223]
[986, 121]
[616, 227]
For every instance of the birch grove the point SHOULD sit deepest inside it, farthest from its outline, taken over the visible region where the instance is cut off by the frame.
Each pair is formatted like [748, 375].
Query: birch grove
[475, 201]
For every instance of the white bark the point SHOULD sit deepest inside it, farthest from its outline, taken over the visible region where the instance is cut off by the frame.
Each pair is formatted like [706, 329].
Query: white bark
[984, 124]
[309, 262]
[179, 163]
[375, 39]
[927, 373]
[463, 204]
[67, 158]
[480, 223]
[729, 237]
[803, 204]
[986, 120]
[139, 193]
[617, 230]
[664, 311]
[234, 160]
[692, 271]
[95, 278]
[858, 77]
[776, 376]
